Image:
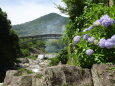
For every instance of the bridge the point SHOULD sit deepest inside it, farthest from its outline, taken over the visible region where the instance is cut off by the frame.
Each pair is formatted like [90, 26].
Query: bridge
[40, 37]
[43, 36]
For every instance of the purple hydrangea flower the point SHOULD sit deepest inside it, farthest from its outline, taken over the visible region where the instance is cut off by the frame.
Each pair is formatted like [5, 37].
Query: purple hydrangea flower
[102, 43]
[97, 23]
[89, 52]
[109, 44]
[91, 39]
[106, 21]
[110, 40]
[91, 27]
[104, 17]
[88, 29]
[113, 38]
[76, 39]
[86, 36]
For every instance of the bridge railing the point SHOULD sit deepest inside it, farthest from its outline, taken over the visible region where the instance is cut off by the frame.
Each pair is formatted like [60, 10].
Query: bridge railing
[42, 36]
[39, 37]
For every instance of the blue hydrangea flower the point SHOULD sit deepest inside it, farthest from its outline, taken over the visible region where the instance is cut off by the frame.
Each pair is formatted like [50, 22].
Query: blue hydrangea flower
[110, 40]
[97, 23]
[102, 43]
[91, 27]
[91, 39]
[109, 44]
[86, 36]
[106, 21]
[88, 29]
[89, 52]
[104, 17]
[113, 38]
[76, 39]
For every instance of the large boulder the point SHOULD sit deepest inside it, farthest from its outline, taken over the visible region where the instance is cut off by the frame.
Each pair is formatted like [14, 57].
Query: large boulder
[52, 76]
[17, 78]
[103, 75]
[64, 75]
[9, 76]
[25, 80]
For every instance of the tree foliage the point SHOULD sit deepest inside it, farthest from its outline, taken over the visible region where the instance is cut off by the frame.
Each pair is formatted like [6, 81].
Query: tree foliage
[9, 49]
[25, 47]
[62, 57]
[91, 12]
[73, 8]
[101, 55]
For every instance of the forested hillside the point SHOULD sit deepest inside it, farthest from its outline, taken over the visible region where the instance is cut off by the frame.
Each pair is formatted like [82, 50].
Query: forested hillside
[51, 23]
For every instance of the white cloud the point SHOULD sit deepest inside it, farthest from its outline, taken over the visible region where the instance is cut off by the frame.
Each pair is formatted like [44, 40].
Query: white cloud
[27, 11]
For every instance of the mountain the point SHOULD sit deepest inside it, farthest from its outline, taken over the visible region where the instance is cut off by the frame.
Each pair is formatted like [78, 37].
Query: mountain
[48, 24]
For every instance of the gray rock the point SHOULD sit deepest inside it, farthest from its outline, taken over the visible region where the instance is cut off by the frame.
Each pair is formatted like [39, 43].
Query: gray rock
[9, 76]
[23, 60]
[64, 75]
[51, 76]
[103, 75]
[13, 79]
[25, 80]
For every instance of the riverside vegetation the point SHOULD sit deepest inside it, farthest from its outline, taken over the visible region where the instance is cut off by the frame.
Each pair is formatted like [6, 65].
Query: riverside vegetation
[9, 47]
[89, 41]
[89, 36]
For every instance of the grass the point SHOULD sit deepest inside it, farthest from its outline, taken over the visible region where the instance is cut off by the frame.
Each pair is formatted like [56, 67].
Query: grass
[111, 68]
[23, 71]
[54, 61]
[39, 76]
[34, 57]
[4, 85]
[75, 85]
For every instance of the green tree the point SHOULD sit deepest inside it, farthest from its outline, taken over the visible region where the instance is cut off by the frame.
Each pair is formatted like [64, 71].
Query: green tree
[27, 44]
[106, 2]
[73, 8]
[91, 11]
[9, 49]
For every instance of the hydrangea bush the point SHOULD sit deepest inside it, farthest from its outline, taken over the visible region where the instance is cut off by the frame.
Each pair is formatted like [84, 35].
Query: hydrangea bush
[96, 41]
[103, 43]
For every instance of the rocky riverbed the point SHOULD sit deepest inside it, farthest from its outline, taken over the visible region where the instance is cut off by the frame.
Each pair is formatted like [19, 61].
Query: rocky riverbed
[34, 65]
[61, 75]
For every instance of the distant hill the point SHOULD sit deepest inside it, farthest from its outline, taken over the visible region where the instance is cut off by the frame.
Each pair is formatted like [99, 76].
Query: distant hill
[48, 24]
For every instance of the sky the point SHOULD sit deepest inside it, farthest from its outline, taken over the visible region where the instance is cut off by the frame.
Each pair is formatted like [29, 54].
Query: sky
[21, 11]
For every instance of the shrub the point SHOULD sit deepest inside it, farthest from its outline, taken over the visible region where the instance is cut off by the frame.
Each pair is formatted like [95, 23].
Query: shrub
[106, 30]
[25, 52]
[34, 57]
[61, 57]
[54, 61]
